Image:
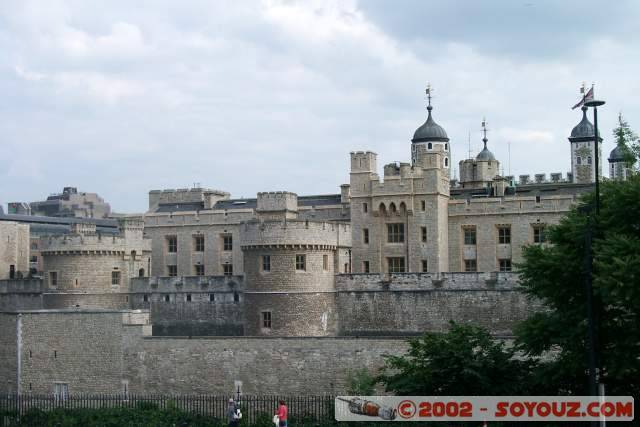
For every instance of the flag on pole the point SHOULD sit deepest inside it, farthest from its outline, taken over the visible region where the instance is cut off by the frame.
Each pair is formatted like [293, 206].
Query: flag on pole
[587, 97]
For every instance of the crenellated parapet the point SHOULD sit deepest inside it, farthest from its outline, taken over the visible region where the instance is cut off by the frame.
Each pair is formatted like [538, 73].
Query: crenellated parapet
[294, 234]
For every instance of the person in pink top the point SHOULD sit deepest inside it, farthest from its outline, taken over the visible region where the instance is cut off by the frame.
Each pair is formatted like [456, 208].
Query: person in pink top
[282, 413]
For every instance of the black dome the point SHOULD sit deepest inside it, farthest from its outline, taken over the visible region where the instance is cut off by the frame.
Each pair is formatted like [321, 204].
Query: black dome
[616, 155]
[584, 129]
[430, 131]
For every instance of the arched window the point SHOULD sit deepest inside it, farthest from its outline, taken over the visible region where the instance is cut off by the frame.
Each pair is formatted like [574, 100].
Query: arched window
[141, 272]
[446, 147]
[429, 146]
[446, 162]
[392, 208]
[383, 209]
[403, 208]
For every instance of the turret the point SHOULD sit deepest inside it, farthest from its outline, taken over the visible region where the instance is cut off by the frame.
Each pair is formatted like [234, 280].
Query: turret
[431, 136]
[583, 151]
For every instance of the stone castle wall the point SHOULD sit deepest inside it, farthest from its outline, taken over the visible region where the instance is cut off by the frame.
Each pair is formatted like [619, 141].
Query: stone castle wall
[521, 214]
[298, 300]
[84, 349]
[191, 306]
[412, 303]
[9, 353]
[212, 225]
[14, 249]
[104, 352]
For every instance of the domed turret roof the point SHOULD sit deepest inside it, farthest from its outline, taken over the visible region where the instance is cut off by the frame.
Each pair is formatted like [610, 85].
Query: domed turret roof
[430, 131]
[584, 129]
[485, 154]
[616, 155]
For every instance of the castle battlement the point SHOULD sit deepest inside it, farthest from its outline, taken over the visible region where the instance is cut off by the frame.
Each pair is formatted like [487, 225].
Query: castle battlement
[403, 282]
[294, 233]
[94, 243]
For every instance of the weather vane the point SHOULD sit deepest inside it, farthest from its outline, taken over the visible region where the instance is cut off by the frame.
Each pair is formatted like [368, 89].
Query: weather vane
[484, 131]
[428, 92]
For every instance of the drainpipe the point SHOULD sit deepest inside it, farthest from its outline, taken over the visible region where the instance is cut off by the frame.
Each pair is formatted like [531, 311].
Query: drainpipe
[19, 352]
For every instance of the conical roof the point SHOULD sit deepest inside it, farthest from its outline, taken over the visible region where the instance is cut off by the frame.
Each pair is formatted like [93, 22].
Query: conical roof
[430, 131]
[584, 129]
[616, 155]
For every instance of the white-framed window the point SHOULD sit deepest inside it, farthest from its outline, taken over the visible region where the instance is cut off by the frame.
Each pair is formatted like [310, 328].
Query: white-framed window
[396, 265]
[61, 391]
[538, 233]
[395, 233]
[470, 265]
[172, 270]
[172, 244]
[227, 243]
[227, 269]
[266, 319]
[301, 262]
[504, 234]
[198, 243]
[53, 278]
[266, 262]
[469, 235]
[115, 278]
[199, 269]
[505, 264]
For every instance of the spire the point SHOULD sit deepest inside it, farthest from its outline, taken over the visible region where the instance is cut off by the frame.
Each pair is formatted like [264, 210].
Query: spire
[484, 131]
[430, 131]
[485, 154]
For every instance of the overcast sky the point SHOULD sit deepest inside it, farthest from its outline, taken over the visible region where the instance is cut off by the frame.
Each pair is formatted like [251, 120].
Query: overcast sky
[122, 97]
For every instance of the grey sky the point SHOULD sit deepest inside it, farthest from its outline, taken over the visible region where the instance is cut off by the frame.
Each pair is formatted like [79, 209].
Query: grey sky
[123, 97]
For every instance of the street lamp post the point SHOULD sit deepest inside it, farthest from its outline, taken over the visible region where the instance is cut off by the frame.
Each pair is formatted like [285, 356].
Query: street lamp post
[593, 359]
[595, 104]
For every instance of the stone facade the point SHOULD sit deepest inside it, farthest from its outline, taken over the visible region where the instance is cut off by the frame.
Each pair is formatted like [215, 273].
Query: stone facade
[87, 261]
[71, 203]
[110, 352]
[82, 349]
[290, 266]
[411, 303]
[14, 250]
[191, 306]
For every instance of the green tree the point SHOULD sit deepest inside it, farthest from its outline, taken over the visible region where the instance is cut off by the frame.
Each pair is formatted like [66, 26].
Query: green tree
[555, 274]
[627, 142]
[466, 360]
[361, 383]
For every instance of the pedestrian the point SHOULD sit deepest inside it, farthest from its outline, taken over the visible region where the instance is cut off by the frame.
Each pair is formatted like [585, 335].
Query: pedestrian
[233, 414]
[282, 413]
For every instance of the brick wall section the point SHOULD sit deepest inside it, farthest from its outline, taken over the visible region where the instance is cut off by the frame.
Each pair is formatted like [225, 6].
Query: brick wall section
[85, 260]
[83, 349]
[263, 365]
[14, 248]
[405, 304]
[8, 353]
[198, 305]
[185, 225]
[520, 213]
[20, 294]
[301, 301]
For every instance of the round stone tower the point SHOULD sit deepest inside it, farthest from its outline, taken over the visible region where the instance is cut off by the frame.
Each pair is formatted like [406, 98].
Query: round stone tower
[86, 261]
[289, 267]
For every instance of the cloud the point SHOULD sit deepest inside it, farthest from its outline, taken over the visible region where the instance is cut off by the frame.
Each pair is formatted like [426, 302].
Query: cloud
[120, 97]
